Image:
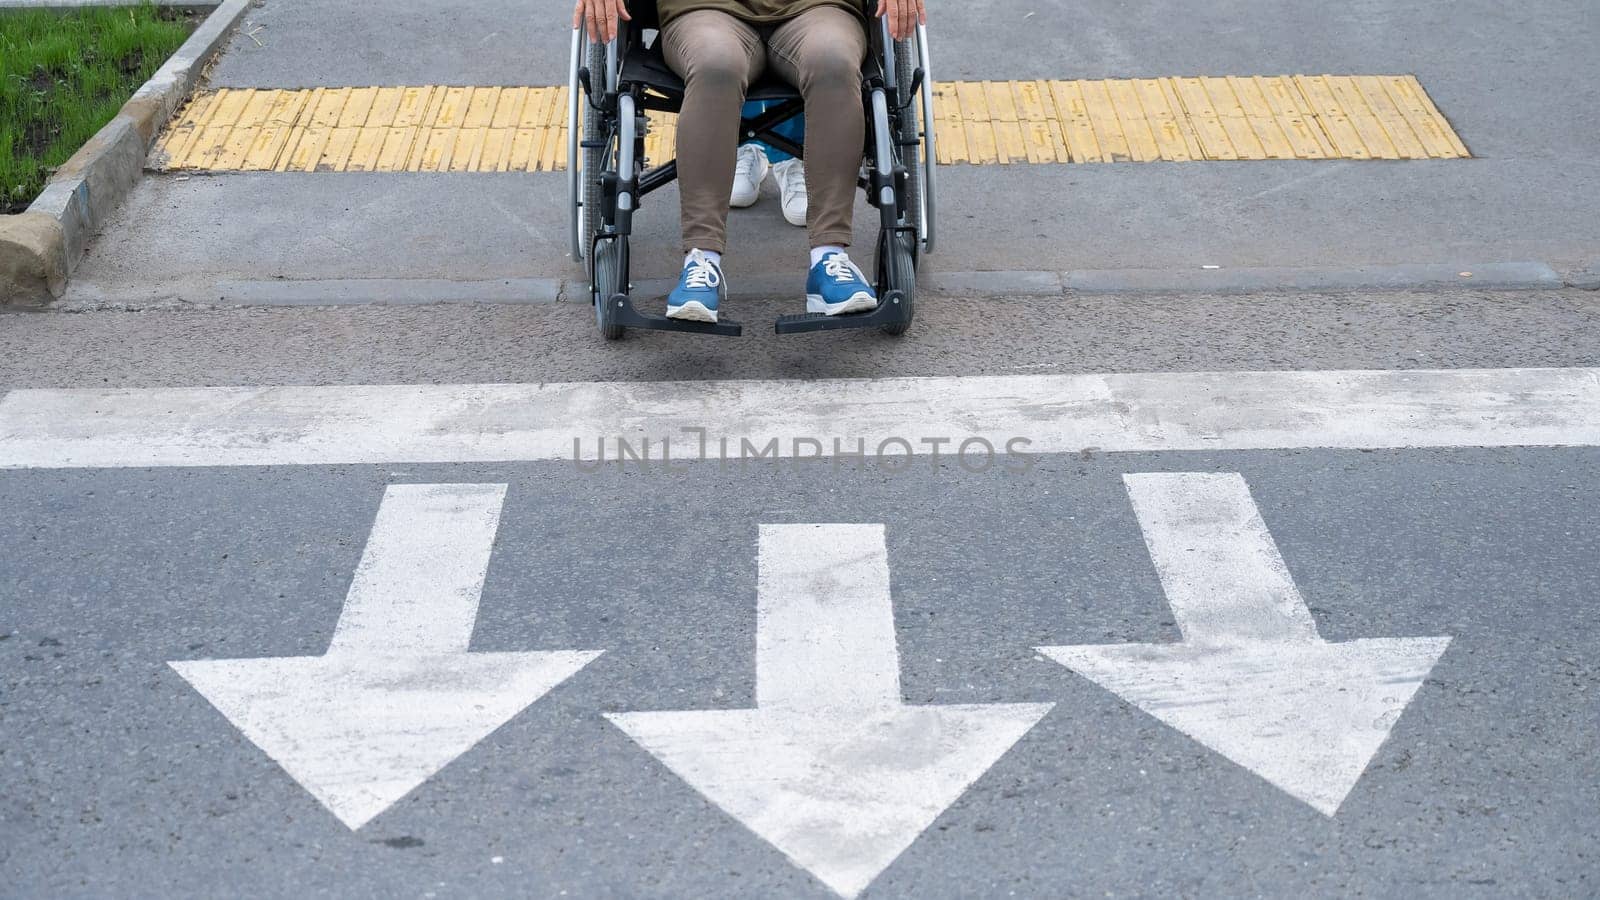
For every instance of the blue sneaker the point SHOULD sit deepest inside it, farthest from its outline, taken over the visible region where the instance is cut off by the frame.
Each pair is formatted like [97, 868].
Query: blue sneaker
[836, 286]
[699, 288]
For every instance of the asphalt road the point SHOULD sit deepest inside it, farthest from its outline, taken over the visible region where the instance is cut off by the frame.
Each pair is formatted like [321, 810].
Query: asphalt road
[953, 335]
[123, 779]
[332, 679]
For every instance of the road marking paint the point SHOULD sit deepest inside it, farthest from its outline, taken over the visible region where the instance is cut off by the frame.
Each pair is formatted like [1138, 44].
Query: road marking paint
[1217, 562]
[1252, 679]
[831, 767]
[421, 575]
[1128, 413]
[1173, 119]
[396, 697]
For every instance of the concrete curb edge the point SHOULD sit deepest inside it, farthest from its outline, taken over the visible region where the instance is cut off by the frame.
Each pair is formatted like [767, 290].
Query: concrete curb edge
[225, 291]
[1585, 279]
[35, 262]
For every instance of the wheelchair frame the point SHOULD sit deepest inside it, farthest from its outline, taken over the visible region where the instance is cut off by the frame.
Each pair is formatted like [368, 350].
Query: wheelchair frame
[607, 177]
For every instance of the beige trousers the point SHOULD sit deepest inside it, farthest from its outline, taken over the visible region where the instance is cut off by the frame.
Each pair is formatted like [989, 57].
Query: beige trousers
[820, 52]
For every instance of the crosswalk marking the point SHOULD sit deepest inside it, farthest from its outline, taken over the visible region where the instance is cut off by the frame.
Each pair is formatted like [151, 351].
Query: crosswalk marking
[1139, 412]
[831, 767]
[397, 696]
[1252, 678]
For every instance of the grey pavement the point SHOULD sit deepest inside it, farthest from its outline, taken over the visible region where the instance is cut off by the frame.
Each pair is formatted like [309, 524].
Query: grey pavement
[952, 336]
[120, 779]
[1514, 80]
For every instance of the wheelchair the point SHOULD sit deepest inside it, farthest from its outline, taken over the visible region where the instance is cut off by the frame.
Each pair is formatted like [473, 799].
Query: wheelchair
[611, 88]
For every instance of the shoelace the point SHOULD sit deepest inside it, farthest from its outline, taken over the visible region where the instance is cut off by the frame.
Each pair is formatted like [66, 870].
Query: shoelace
[838, 268]
[702, 274]
[745, 163]
[794, 181]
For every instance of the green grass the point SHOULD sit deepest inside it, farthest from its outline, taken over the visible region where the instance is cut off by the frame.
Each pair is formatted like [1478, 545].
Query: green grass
[63, 76]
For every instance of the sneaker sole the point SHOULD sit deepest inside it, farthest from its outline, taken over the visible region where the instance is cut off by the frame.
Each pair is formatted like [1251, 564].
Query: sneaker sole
[693, 311]
[857, 302]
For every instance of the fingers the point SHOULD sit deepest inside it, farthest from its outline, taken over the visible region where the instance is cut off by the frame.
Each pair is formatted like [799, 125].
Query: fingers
[577, 15]
[616, 9]
[596, 31]
[888, 10]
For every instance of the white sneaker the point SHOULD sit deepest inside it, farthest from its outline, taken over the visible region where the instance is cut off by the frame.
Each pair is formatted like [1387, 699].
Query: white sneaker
[750, 169]
[791, 177]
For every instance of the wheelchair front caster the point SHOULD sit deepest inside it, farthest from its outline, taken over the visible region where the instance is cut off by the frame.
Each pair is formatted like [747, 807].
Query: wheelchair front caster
[897, 274]
[610, 278]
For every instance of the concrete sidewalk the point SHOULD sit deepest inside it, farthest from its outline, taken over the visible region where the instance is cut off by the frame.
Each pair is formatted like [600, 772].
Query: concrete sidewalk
[1514, 86]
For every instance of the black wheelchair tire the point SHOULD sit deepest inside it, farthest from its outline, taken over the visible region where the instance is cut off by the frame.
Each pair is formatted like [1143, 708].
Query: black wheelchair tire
[904, 66]
[897, 271]
[610, 278]
[594, 158]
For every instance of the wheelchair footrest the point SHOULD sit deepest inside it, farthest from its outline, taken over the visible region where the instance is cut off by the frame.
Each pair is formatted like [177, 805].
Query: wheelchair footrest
[623, 312]
[891, 311]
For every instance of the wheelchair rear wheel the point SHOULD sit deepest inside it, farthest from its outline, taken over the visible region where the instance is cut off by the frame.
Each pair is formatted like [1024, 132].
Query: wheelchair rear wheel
[905, 64]
[594, 157]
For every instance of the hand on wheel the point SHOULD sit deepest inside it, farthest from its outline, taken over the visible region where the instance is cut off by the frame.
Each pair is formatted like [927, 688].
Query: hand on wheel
[903, 15]
[601, 16]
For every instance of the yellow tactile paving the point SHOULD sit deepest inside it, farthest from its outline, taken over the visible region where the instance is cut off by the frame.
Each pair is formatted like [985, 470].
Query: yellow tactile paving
[428, 128]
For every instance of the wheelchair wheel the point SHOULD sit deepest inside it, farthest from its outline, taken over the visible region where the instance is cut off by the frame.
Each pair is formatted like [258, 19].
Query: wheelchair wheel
[610, 278]
[897, 271]
[905, 64]
[594, 157]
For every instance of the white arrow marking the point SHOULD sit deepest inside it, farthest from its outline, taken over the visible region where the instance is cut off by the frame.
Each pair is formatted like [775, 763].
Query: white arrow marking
[397, 696]
[1252, 680]
[831, 767]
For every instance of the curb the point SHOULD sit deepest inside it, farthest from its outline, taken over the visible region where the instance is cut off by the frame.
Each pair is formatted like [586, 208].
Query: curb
[1585, 279]
[36, 261]
[1522, 275]
[224, 291]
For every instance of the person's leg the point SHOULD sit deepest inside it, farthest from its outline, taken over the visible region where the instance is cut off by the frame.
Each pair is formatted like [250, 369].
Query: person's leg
[820, 52]
[717, 56]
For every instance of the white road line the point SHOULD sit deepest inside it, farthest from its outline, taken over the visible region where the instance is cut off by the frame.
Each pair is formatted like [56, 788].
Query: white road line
[397, 696]
[421, 575]
[825, 626]
[1056, 413]
[831, 767]
[1218, 565]
[1252, 679]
